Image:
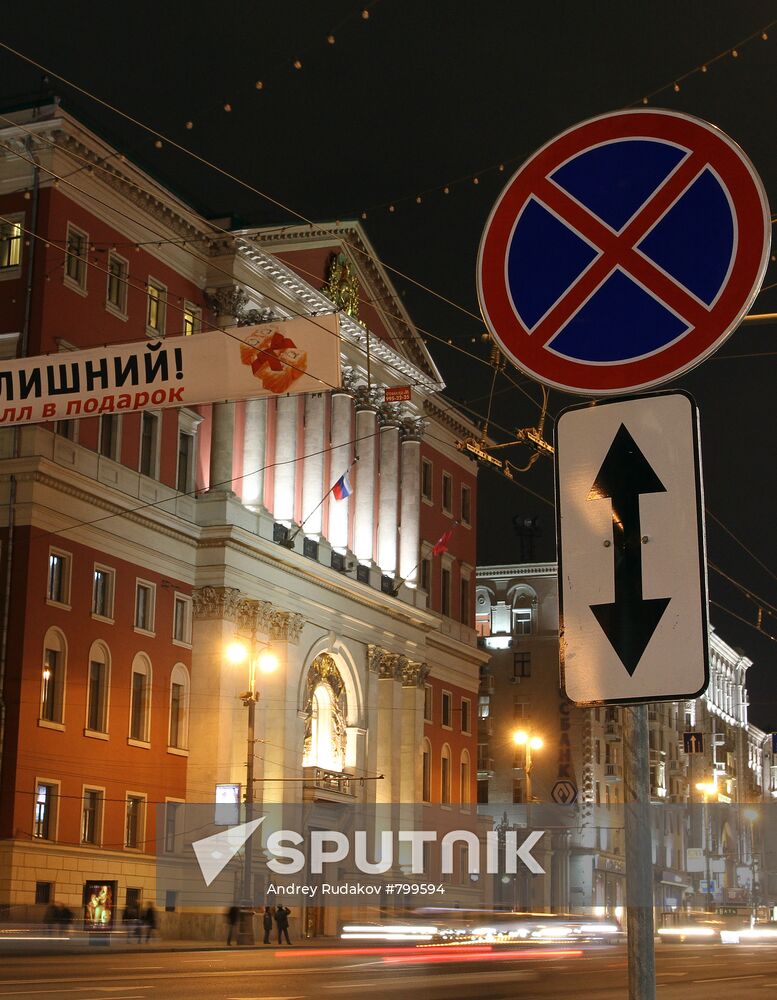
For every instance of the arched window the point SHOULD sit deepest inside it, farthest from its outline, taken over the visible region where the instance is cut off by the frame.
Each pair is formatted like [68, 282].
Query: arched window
[53, 674]
[426, 772]
[140, 699]
[524, 603]
[98, 686]
[445, 775]
[178, 730]
[326, 711]
[464, 778]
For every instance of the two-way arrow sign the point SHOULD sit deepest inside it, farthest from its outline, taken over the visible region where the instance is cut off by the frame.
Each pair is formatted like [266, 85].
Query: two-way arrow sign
[632, 580]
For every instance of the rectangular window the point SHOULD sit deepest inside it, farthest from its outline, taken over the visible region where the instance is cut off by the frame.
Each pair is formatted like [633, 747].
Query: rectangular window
[428, 703]
[108, 445]
[484, 706]
[191, 319]
[66, 429]
[102, 592]
[466, 505]
[90, 816]
[10, 244]
[466, 715]
[58, 588]
[156, 302]
[464, 611]
[447, 709]
[522, 621]
[426, 787]
[116, 293]
[185, 474]
[171, 819]
[445, 594]
[97, 698]
[426, 480]
[426, 574]
[447, 493]
[45, 804]
[521, 665]
[75, 259]
[43, 893]
[520, 711]
[149, 436]
[53, 686]
[182, 619]
[598, 752]
[135, 821]
[144, 606]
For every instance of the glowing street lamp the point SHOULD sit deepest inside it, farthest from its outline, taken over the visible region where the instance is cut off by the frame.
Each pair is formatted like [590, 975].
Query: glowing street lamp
[530, 743]
[237, 652]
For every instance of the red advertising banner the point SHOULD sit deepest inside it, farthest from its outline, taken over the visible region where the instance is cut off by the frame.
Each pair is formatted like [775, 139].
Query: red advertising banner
[299, 355]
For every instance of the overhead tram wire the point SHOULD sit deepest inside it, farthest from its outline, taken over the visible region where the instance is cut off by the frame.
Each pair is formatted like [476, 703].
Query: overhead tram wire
[217, 231]
[223, 172]
[742, 545]
[744, 621]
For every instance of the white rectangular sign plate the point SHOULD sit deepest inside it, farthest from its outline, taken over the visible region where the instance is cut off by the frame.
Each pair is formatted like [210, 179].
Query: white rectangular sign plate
[632, 564]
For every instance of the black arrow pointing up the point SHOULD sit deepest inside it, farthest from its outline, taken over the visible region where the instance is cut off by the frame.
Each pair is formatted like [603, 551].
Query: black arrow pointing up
[630, 621]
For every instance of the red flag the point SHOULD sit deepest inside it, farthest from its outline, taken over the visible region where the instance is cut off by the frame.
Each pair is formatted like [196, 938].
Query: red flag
[441, 545]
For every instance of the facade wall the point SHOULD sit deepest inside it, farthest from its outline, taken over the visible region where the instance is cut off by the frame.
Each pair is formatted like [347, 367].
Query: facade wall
[338, 598]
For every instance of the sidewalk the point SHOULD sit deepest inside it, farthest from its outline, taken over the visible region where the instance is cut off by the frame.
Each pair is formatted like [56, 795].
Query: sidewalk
[31, 943]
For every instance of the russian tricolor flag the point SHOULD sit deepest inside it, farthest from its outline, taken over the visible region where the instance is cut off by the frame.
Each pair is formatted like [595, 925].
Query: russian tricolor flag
[342, 488]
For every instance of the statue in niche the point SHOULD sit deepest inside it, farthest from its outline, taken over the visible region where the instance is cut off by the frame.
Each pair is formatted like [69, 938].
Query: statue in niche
[325, 714]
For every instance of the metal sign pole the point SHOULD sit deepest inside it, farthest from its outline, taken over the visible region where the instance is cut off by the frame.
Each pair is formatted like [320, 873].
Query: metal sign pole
[639, 856]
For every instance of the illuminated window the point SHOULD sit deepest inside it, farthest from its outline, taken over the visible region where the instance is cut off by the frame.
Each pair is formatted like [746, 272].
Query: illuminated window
[45, 806]
[102, 592]
[58, 588]
[10, 244]
[52, 696]
[156, 305]
[191, 319]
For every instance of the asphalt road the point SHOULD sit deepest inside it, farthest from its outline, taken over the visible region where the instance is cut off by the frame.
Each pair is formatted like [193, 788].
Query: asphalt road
[684, 973]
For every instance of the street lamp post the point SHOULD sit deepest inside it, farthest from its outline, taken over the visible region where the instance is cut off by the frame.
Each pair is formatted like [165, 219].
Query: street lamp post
[751, 815]
[242, 651]
[707, 788]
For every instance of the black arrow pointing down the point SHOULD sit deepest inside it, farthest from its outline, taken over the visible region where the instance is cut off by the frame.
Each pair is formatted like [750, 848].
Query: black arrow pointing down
[630, 621]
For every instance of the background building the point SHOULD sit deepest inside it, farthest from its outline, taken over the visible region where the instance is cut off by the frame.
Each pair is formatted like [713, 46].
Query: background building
[580, 759]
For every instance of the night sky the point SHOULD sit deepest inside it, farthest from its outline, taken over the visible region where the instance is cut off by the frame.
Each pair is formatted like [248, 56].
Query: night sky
[419, 96]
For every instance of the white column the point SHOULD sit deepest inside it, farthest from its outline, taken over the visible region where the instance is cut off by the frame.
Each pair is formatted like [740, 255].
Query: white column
[364, 492]
[254, 452]
[285, 453]
[388, 510]
[342, 449]
[227, 303]
[313, 488]
[410, 512]
[222, 434]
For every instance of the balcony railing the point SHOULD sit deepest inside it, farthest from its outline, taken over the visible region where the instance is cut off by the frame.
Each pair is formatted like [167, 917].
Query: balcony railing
[613, 773]
[317, 778]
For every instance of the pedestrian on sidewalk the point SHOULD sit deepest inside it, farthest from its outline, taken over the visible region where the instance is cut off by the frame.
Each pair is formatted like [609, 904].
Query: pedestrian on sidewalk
[233, 917]
[149, 919]
[267, 918]
[282, 920]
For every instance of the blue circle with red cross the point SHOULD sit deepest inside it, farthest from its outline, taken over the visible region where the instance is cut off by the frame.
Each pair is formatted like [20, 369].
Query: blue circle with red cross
[623, 252]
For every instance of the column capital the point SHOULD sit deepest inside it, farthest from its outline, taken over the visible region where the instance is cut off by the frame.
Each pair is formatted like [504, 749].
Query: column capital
[414, 674]
[367, 397]
[228, 604]
[216, 602]
[390, 415]
[227, 302]
[413, 428]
